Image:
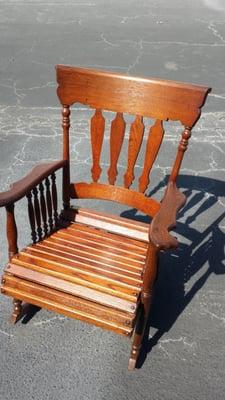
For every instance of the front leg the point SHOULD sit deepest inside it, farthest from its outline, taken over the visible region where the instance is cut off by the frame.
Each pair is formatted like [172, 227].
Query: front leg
[17, 310]
[149, 278]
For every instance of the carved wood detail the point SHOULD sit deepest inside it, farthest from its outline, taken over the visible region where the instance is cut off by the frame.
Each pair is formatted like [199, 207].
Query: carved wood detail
[31, 217]
[49, 204]
[118, 127]
[180, 153]
[43, 208]
[154, 141]
[37, 213]
[66, 154]
[135, 140]
[11, 231]
[97, 133]
[54, 199]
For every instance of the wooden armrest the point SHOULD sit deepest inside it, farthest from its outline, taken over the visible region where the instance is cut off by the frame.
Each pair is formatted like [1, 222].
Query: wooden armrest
[24, 185]
[165, 219]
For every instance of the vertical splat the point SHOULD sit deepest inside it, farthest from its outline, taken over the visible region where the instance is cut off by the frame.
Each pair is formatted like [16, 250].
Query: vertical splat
[154, 141]
[118, 127]
[135, 140]
[97, 133]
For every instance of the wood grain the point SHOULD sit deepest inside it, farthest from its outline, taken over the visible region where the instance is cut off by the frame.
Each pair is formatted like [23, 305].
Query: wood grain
[66, 154]
[11, 231]
[118, 127]
[77, 290]
[22, 187]
[150, 97]
[135, 141]
[166, 218]
[82, 190]
[68, 305]
[97, 134]
[186, 134]
[154, 141]
[90, 265]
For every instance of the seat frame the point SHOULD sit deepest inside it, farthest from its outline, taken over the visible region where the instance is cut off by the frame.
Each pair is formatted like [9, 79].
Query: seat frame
[152, 98]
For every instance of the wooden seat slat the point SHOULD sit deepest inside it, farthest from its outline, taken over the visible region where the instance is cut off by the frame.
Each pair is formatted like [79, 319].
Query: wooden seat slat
[94, 256]
[55, 301]
[81, 292]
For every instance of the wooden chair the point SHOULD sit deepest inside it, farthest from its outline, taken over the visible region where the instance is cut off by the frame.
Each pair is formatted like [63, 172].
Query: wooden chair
[88, 265]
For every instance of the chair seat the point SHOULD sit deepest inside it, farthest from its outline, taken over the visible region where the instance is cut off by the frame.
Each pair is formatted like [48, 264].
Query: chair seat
[83, 272]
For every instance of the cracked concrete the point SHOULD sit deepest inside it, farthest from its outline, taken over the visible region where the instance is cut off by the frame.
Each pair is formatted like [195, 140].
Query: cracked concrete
[53, 357]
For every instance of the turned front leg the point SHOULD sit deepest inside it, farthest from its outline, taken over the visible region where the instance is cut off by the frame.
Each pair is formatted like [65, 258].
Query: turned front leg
[11, 231]
[149, 277]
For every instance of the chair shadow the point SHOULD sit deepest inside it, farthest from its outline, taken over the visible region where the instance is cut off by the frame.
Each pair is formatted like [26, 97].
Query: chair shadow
[28, 312]
[176, 268]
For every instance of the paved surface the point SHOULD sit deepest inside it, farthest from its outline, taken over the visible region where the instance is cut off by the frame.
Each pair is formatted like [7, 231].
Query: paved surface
[53, 357]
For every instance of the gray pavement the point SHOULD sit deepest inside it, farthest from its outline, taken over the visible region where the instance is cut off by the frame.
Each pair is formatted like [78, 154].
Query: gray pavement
[53, 357]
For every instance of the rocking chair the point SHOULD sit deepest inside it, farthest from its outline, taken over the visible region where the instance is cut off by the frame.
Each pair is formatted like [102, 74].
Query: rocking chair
[85, 264]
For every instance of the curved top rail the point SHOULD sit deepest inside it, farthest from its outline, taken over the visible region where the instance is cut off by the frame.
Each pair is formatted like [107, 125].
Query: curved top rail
[150, 97]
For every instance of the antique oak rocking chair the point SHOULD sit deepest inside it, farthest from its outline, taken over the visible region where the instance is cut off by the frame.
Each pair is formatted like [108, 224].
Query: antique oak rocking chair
[89, 265]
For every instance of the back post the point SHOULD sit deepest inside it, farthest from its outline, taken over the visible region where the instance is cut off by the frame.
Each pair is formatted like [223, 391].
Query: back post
[66, 155]
[186, 134]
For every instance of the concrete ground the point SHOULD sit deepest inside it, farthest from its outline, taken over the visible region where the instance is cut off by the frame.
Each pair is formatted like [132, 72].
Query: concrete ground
[53, 357]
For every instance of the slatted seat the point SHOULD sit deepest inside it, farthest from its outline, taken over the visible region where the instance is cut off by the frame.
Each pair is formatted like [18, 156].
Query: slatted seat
[103, 270]
[89, 265]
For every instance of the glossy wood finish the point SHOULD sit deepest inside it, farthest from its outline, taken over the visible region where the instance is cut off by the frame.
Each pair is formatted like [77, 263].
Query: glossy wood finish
[22, 187]
[118, 194]
[149, 277]
[89, 265]
[165, 219]
[97, 133]
[11, 231]
[153, 98]
[54, 200]
[155, 138]
[43, 208]
[69, 305]
[180, 153]
[97, 270]
[66, 154]
[135, 140]
[31, 215]
[118, 127]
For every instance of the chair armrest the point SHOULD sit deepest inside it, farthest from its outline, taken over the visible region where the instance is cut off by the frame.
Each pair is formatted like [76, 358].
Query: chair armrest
[165, 219]
[22, 187]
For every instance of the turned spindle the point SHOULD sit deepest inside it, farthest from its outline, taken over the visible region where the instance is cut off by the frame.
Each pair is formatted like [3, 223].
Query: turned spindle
[37, 213]
[49, 204]
[43, 208]
[54, 199]
[66, 155]
[180, 153]
[31, 217]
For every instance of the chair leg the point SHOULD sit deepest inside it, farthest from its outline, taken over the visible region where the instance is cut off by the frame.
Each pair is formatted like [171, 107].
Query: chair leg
[135, 350]
[137, 338]
[17, 310]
